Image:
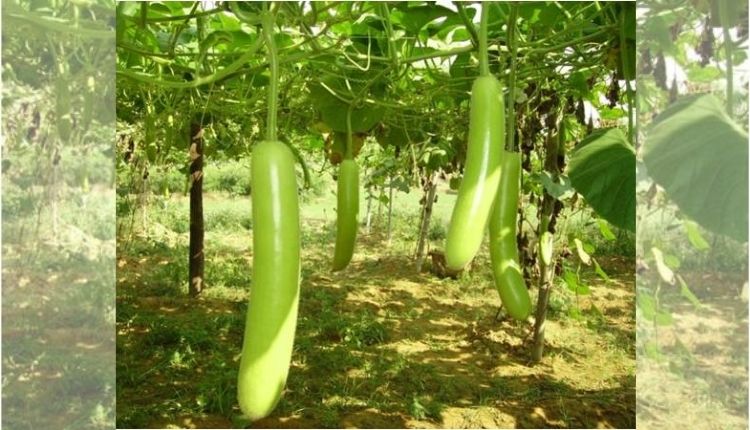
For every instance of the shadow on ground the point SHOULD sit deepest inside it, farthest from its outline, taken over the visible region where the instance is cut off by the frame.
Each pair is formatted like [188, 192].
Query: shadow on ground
[378, 346]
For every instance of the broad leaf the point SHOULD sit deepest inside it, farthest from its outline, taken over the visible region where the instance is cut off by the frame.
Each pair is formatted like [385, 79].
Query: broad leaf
[666, 274]
[695, 236]
[699, 156]
[333, 111]
[414, 18]
[687, 293]
[599, 271]
[650, 310]
[602, 169]
[572, 282]
[581, 252]
[605, 230]
[560, 191]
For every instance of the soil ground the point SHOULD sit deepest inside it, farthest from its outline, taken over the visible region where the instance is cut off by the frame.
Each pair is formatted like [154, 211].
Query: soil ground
[693, 372]
[378, 346]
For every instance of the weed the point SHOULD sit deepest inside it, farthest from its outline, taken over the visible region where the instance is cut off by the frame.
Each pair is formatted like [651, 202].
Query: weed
[421, 407]
[161, 332]
[328, 417]
[365, 332]
[218, 391]
[346, 358]
[437, 231]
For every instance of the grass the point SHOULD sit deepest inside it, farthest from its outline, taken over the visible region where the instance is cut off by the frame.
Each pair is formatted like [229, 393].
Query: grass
[377, 345]
[58, 306]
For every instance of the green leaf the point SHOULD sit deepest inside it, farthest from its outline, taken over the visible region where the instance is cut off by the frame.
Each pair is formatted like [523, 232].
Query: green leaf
[397, 136]
[530, 11]
[159, 10]
[239, 40]
[687, 293]
[333, 111]
[707, 74]
[605, 230]
[664, 271]
[652, 351]
[663, 318]
[463, 68]
[599, 271]
[650, 311]
[656, 30]
[577, 82]
[647, 305]
[671, 261]
[549, 15]
[572, 282]
[602, 169]
[560, 190]
[612, 114]
[695, 236]
[575, 314]
[581, 252]
[414, 18]
[699, 156]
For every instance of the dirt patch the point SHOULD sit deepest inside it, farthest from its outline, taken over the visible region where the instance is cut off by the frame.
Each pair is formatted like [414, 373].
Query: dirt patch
[694, 370]
[381, 346]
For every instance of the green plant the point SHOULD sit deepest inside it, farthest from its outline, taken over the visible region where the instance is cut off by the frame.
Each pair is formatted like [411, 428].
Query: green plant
[217, 392]
[367, 331]
[227, 217]
[421, 407]
[232, 177]
[437, 231]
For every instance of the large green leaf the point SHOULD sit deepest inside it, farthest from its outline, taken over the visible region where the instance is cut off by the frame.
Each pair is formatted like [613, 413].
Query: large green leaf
[602, 169]
[395, 136]
[559, 188]
[699, 156]
[333, 110]
[413, 18]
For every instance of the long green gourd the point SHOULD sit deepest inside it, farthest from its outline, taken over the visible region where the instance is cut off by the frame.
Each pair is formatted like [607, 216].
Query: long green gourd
[271, 318]
[274, 296]
[347, 207]
[481, 174]
[503, 247]
[476, 193]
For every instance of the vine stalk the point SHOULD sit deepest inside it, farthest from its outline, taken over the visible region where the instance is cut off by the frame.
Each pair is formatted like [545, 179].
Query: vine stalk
[511, 115]
[349, 152]
[484, 63]
[628, 87]
[273, 86]
[725, 18]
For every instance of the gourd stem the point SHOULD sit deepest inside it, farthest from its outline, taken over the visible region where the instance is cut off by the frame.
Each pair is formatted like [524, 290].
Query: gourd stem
[725, 18]
[511, 117]
[348, 152]
[625, 63]
[273, 86]
[484, 66]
